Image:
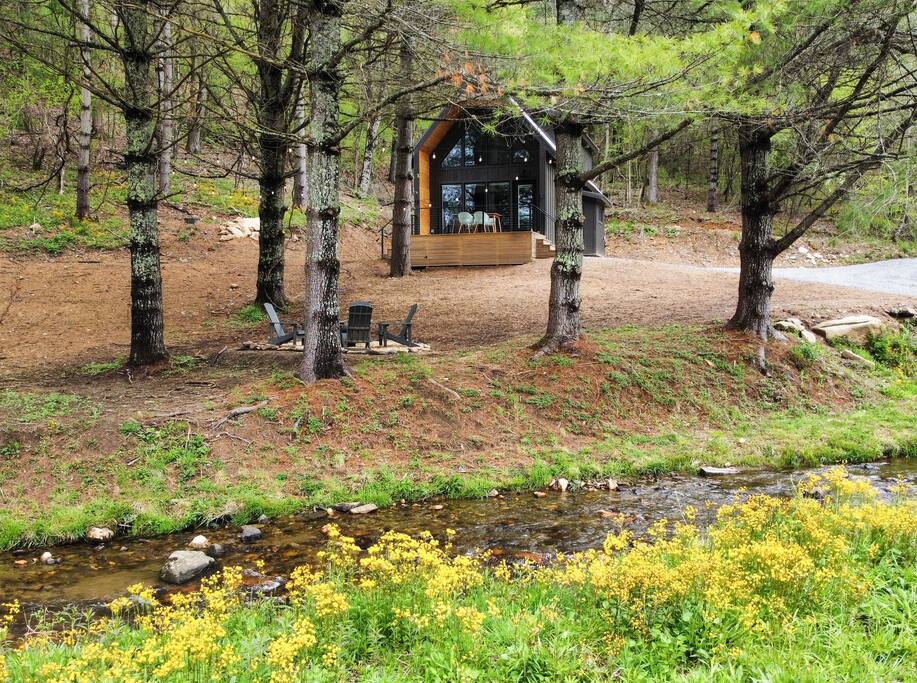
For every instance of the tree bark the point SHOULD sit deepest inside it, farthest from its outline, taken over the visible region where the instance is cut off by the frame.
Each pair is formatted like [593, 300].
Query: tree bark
[273, 125]
[85, 135]
[301, 174]
[564, 327]
[714, 170]
[322, 357]
[402, 226]
[652, 177]
[196, 105]
[366, 170]
[147, 336]
[393, 159]
[757, 248]
[165, 132]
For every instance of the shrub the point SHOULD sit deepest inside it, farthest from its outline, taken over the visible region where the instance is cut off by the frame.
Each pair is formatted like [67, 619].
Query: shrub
[895, 349]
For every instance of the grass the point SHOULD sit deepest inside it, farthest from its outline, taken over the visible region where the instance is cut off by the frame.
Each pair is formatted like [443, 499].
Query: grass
[775, 590]
[639, 401]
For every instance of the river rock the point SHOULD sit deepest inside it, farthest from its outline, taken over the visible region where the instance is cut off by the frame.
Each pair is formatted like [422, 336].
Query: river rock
[847, 354]
[100, 533]
[493, 493]
[854, 327]
[796, 325]
[269, 587]
[539, 494]
[216, 550]
[47, 558]
[184, 565]
[560, 484]
[345, 507]
[903, 312]
[250, 533]
[709, 471]
[364, 509]
[437, 507]
[262, 519]
[199, 542]
[611, 485]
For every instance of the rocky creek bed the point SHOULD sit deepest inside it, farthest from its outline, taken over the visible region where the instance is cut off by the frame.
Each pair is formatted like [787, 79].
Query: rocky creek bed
[513, 526]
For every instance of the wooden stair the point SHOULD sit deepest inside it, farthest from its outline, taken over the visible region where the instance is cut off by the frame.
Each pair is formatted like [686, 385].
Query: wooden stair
[542, 246]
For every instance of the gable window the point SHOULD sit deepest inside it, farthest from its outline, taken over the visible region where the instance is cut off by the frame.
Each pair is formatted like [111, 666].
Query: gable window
[475, 147]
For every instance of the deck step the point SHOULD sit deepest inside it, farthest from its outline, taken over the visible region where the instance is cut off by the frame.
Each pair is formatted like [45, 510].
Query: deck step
[542, 246]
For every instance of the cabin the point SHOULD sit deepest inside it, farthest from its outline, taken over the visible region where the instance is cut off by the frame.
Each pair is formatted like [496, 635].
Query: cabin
[484, 192]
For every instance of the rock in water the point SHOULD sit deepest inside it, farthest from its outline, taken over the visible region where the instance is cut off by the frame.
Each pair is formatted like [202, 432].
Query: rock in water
[47, 558]
[708, 471]
[216, 550]
[199, 542]
[100, 533]
[184, 565]
[854, 327]
[250, 533]
[345, 507]
[364, 509]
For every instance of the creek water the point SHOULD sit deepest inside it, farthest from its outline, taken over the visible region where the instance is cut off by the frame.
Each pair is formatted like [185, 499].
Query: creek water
[513, 526]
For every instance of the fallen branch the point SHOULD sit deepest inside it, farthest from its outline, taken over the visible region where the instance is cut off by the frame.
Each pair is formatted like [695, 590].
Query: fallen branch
[238, 412]
[453, 394]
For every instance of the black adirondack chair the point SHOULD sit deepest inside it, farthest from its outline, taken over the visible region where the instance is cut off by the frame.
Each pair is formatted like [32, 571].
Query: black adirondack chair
[357, 329]
[280, 334]
[404, 333]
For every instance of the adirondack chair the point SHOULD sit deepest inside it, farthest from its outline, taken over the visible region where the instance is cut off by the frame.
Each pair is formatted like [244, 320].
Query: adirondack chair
[404, 333]
[280, 335]
[357, 328]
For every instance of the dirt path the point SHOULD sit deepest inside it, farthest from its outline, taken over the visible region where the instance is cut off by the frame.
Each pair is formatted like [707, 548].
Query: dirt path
[73, 309]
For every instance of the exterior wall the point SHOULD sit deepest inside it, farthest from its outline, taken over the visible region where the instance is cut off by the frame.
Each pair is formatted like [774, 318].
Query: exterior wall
[594, 227]
[476, 249]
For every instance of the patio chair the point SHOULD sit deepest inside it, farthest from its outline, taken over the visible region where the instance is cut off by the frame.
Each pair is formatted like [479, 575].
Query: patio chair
[404, 333]
[281, 336]
[357, 329]
[479, 220]
[490, 223]
[465, 220]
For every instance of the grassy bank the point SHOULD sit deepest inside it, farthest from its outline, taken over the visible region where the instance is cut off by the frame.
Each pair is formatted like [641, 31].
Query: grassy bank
[778, 590]
[636, 401]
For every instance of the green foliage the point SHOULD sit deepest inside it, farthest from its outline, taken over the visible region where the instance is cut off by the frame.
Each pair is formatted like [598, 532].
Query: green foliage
[896, 350]
[804, 354]
[102, 367]
[33, 407]
[250, 314]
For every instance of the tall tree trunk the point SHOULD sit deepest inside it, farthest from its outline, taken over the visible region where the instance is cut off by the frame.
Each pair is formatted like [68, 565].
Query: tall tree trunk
[393, 159]
[165, 133]
[369, 149]
[301, 174]
[273, 128]
[322, 357]
[402, 226]
[652, 177]
[196, 105]
[757, 248]
[85, 134]
[564, 302]
[714, 170]
[271, 209]
[147, 339]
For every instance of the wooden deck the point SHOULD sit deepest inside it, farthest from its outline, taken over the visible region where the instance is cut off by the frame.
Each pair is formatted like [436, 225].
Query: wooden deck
[475, 249]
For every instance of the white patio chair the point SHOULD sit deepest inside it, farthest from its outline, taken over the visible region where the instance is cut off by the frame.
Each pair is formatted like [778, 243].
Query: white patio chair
[465, 220]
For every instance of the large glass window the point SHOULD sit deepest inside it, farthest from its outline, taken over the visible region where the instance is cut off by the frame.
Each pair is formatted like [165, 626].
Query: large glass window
[475, 197]
[452, 204]
[475, 148]
[500, 201]
[525, 206]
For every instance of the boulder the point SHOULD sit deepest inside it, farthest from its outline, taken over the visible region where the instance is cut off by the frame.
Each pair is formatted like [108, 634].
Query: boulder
[184, 565]
[199, 542]
[47, 558]
[903, 312]
[560, 484]
[854, 327]
[364, 509]
[250, 533]
[708, 471]
[100, 533]
[797, 326]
